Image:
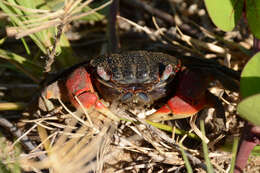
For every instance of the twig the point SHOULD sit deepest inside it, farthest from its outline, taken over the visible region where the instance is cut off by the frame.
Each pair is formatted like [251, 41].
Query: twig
[23, 32]
[153, 11]
[23, 135]
[144, 29]
[114, 44]
[175, 43]
[50, 59]
[54, 19]
[22, 85]
[18, 134]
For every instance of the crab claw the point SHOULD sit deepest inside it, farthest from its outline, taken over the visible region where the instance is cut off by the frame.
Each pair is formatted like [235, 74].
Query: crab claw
[79, 85]
[189, 99]
[176, 108]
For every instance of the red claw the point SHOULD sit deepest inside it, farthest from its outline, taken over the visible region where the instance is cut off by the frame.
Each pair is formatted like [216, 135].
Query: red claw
[188, 99]
[79, 84]
[164, 110]
[87, 99]
[179, 106]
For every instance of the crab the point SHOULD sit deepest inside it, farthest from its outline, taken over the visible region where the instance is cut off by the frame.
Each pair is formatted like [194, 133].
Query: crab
[138, 79]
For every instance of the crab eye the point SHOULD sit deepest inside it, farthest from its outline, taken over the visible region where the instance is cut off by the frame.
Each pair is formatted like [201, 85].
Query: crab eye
[102, 73]
[167, 72]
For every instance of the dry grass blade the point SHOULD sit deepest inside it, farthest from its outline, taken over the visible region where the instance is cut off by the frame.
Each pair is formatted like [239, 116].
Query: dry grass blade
[75, 153]
[80, 147]
[85, 112]
[165, 150]
[65, 15]
[74, 115]
[84, 4]
[196, 130]
[208, 46]
[12, 106]
[90, 12]
[144, 29]
[163, 143]
[160, 30]
[43, 26]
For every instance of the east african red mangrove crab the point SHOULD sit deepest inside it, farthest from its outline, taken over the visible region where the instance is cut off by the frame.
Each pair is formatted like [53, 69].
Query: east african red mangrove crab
[136, 78]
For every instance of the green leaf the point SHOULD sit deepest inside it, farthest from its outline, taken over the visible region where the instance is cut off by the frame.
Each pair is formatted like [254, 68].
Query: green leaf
[224, 13]
[44, 38]
[253, 16]
[2, 40]
[98, 15]
[25, 65]
[250, 78]
[92, 17]
[17, 17]
[249, 109]
[250, 91]
[7, 55]
[256, 151]
[227, 147]
[67, 57]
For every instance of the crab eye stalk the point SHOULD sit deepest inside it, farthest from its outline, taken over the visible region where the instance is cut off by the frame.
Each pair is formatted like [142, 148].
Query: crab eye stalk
[102, 73]
[167, 72]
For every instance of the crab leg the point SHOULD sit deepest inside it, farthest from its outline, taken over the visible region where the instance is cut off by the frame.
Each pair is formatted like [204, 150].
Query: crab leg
[79, 84]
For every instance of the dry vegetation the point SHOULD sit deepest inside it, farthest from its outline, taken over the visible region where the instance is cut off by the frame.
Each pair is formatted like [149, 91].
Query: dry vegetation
[65, 140]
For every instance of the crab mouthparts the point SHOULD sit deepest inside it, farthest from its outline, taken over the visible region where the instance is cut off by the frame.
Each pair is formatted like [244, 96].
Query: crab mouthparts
[135, 98]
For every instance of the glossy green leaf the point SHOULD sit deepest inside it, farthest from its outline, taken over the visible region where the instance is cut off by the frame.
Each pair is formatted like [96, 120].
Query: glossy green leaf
[224, 13]
[250, 78]
[249, 109]
[253, 16]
